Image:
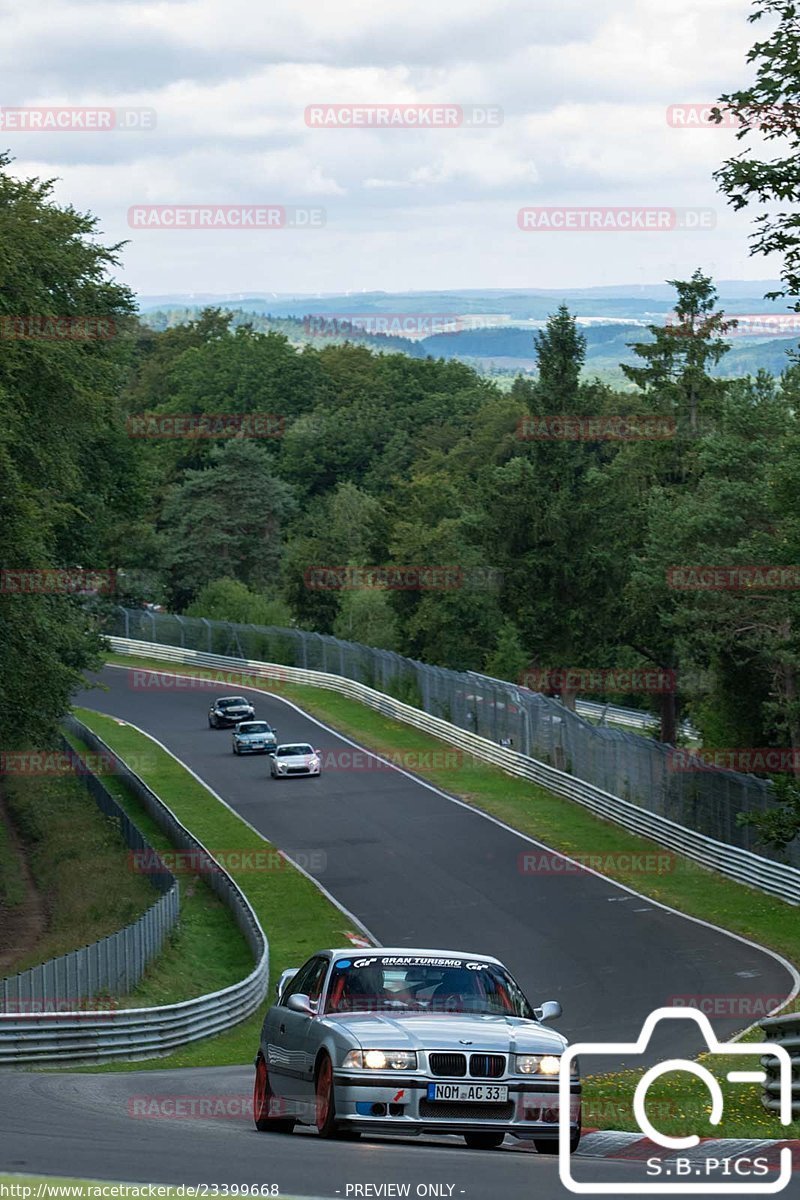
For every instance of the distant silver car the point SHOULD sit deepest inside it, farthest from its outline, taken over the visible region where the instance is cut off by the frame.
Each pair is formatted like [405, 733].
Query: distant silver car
[229, 710]
[411, 1041]
[295, 758]
[254, 737]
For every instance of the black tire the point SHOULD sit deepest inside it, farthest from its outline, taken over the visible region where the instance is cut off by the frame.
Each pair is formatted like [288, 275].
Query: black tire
[484, 1141]
[262, 1095]
[210, 723]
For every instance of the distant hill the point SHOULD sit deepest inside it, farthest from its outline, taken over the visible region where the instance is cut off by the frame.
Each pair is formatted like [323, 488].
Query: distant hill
[504, 320]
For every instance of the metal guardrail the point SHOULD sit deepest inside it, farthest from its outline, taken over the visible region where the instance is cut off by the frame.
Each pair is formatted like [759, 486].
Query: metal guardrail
[620, 761]
[112, 965]
[134, 1033]
[744, 866]
[631, 718]
[784, 1031]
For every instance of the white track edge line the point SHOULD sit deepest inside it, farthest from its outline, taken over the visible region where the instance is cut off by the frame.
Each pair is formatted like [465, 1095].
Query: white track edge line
[320, 887]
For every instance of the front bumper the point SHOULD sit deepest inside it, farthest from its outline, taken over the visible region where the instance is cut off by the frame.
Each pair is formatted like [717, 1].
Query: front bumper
[231, 722]
[401, 1105]
[254, 748]
[296, 773]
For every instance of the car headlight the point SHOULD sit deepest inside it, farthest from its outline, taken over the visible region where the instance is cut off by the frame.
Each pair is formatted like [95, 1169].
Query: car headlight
[382, 1060]
[537, 1064]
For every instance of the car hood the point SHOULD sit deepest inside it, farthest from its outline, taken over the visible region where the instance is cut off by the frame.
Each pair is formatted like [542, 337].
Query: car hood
[448, 1031]
[255, 737]
[296, 760]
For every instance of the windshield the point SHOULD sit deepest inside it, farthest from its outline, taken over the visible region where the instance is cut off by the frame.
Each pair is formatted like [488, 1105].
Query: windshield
[421, 985]
[232, 702]
[254, 727]
[293, 751]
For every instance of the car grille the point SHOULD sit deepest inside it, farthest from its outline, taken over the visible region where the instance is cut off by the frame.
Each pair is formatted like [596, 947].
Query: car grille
[487, 1066]
[481, 1066]
[448, 1064]
[455, 1110]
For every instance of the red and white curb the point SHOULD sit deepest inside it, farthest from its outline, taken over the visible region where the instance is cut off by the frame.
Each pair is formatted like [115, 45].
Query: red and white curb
[357, 939]
[602, 1143]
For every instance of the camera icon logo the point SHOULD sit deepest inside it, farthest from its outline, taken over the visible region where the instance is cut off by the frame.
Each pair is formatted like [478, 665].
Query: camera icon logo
[756, 1074]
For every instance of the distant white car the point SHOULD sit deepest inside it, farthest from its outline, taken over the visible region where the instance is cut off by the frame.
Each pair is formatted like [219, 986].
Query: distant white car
[295, 758]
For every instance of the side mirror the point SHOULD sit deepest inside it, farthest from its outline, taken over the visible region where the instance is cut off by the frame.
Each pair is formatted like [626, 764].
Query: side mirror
[549, 1011]
[300, 1003]
[284, 979]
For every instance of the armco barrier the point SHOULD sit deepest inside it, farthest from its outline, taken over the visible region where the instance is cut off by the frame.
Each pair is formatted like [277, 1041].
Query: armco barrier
[614, 759]
[114, 964]
[784, 1031]
[744, 866]
[134, 1033]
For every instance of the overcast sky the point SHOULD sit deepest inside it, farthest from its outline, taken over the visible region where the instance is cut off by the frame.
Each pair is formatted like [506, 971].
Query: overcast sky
[583, 88]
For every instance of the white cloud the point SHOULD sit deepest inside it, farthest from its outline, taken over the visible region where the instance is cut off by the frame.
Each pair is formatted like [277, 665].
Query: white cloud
[584, 92]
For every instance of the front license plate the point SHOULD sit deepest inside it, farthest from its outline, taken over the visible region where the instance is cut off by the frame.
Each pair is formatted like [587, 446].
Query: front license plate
[491, 1093]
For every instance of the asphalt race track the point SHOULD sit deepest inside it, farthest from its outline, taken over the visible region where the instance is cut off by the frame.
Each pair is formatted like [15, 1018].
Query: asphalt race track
[417, 870]
[80, 1125]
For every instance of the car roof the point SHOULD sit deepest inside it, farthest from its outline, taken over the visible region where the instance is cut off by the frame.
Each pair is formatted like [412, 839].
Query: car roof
[219, 699]
[408, 952]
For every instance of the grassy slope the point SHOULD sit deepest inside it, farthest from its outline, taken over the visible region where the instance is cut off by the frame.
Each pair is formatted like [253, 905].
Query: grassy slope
[207, 950]
[78, 862]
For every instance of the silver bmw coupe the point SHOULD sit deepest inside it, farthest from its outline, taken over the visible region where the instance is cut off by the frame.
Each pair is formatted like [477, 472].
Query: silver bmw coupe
[407, 1042]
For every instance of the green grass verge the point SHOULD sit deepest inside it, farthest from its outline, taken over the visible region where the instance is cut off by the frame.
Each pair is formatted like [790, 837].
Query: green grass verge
[78, 862]
[296, 916]
[206, 951]
[678, 1101]
[571, 829]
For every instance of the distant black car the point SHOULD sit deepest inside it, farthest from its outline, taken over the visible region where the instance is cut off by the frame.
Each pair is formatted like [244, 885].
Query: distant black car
[229, 710]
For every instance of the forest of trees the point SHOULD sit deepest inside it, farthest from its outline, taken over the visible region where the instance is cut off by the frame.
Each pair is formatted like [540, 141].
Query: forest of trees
[565, 545]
